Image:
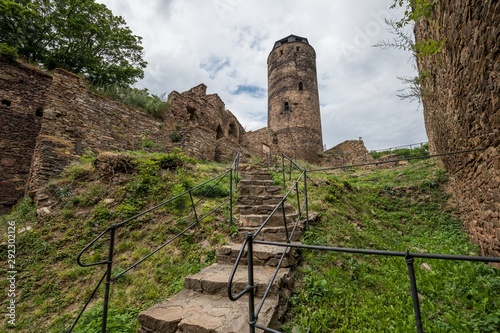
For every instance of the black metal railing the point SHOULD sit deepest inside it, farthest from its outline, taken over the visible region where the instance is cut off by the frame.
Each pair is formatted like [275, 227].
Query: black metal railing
[409, 258]
[298, 189]
[252, 239]
[108, 278]
[410, 146]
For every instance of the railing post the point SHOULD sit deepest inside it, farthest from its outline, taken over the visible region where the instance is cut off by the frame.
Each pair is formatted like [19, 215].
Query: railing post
[252, 320]
[284, 221]
[298, 198]
[231, 196]
[108, 280]
[283, 168]
[194, 206]
[307, 201]
[414, 292]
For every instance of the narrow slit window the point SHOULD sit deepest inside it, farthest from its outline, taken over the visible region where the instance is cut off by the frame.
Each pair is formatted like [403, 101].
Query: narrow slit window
[301, 86]
[286, 107]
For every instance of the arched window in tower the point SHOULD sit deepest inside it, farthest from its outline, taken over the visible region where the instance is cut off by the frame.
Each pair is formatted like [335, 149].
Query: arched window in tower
[286, 107]
[301, 86]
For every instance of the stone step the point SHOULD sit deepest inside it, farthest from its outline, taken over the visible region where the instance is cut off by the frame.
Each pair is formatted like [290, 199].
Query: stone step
[256, 220]
[264, 255]
[213, 279]
[192, 312]
[259, 190]
[263, 209]
[256, 182]
[256, 175]
[258, 200]
[271, 234]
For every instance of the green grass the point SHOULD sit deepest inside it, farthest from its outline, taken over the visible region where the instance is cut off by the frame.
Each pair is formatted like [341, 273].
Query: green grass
[397, 210]
[91, 195]
[404, 153]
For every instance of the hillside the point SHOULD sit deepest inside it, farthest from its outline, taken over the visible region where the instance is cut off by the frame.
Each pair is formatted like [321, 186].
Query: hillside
[399, 209]
[91, 195]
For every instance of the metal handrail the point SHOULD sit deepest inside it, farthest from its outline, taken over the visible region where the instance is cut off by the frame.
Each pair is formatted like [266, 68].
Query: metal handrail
[410, 146]
[409, 259]
[398, 160]
[408, 256]
[109, 278]
[250, 239]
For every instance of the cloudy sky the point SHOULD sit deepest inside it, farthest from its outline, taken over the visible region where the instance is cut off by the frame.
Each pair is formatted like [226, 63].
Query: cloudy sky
[225, 44]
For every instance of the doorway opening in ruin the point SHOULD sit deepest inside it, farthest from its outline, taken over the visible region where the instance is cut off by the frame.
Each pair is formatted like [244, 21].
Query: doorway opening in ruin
[217, 156]
[220, 133]
[191, 112]
[233, 132]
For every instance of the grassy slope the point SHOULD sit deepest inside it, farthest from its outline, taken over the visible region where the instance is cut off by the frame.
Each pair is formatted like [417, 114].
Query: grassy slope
[400, 209]
[395, 209]
[52, 287]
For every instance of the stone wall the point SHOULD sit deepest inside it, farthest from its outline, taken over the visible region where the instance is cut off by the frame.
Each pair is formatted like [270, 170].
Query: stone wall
[22, 95]
[349, 152]
[49, 120]
[207, 130]
[261, 142]
[76, 120]
[462, 108]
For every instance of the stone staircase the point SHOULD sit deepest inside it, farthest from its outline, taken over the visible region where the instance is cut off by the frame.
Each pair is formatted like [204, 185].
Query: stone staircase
[203, 306]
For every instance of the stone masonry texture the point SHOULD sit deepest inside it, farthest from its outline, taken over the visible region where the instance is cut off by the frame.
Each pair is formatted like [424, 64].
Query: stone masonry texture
[49, 120]
[461, 97]
[293, 101]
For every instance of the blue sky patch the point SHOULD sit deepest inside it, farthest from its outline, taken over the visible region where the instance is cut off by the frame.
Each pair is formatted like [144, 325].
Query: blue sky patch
[253, 91]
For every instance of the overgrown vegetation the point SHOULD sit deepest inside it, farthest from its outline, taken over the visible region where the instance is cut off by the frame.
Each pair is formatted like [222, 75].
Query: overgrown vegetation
[398, 210]
[96, 192]
[395, 209]
[137, 98]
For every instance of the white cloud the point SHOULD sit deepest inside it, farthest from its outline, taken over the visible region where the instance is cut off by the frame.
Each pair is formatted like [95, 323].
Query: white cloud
[225, 44]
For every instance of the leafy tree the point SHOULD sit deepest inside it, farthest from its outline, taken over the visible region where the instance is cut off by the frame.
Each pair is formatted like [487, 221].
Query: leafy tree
[81, 36]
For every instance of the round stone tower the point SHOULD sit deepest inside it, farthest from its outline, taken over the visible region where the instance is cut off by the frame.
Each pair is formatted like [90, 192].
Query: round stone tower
[293, 102]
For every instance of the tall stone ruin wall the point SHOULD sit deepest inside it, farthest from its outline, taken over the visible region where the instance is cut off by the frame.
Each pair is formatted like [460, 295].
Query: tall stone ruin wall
[49, 120]
[461, 96]
[207, 130]
[22, 95]
[76, 120]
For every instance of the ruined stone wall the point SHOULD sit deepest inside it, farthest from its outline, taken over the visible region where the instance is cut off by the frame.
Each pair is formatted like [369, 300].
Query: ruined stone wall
[261, 142]
[76, 120]
[349, 152]
[22, 95]
[462, 108]
[49, 120]
[207, 130]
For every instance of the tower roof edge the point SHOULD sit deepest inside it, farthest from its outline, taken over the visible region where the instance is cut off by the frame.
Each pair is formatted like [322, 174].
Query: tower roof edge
[290, 39]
